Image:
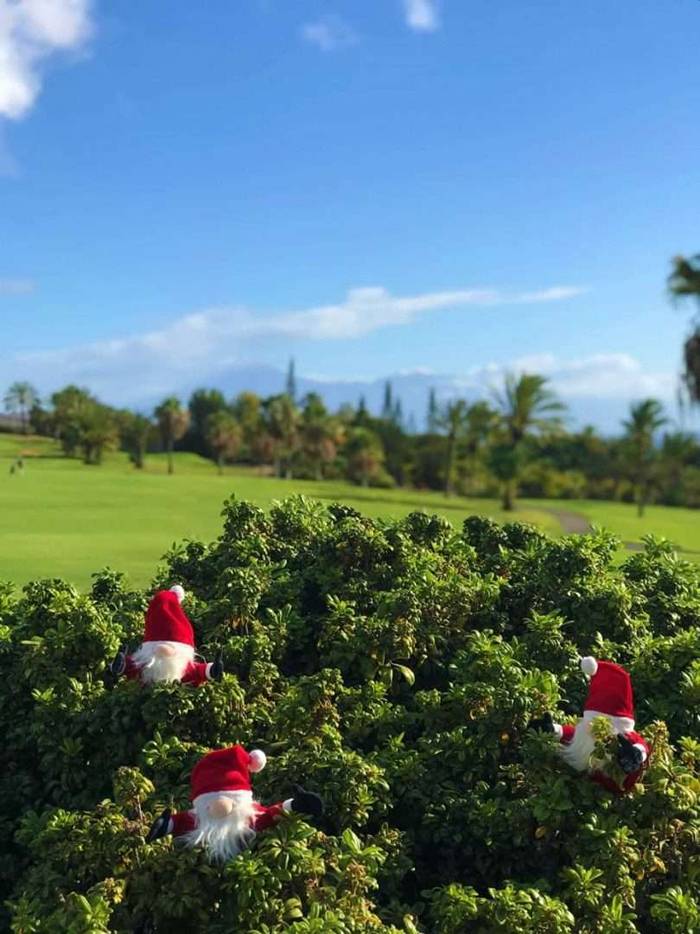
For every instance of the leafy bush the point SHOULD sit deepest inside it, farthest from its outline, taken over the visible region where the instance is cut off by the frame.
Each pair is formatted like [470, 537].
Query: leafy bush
[393, 668]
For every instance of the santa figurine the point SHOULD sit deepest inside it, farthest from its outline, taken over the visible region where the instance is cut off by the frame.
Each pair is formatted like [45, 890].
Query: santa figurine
[610, 696]
[167, 651]
[225, 818]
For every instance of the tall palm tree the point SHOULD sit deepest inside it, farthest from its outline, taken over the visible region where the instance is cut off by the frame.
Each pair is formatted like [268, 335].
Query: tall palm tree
[645, 419]
[19, 399]
[282, 418]
[527, 407]
[452, 420]
[173, 421]
[224, 436]
[684, 282]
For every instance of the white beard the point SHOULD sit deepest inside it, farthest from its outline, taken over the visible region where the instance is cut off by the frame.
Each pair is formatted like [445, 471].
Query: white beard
[578, 752]
[223, 837]
[155, 667]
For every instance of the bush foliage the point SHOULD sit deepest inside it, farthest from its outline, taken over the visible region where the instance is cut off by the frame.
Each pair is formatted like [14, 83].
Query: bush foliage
[391, 667]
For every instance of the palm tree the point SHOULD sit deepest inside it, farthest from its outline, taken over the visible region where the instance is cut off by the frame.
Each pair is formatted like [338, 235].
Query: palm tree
[644, 421]
[173, 421]
[224, 436]
[684, 282]
[452, 420]
[320, 434]
[136, 433]
[365, 454]
[19, 399]
[282, 418]
[527, 407]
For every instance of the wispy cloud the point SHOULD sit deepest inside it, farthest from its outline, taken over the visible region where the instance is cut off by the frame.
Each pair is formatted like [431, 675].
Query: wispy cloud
[598, 376]
[422, 15]
[30, 32]
[329, 33]
[16, 286]
[205, 343]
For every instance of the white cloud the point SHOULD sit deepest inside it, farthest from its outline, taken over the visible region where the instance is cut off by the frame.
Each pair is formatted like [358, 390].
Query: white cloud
[329, 33]
[30, 32]
[201, 344]
[598, 376]
[422, 15]
[16, 286]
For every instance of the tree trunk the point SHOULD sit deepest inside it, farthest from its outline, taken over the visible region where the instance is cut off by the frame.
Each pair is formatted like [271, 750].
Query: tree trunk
[508, 500]
[171, 467]
[448, 467]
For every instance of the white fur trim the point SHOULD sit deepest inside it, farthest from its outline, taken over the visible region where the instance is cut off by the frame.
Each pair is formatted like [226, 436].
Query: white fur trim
[620, 724]
[642, 750]
[207, 670]
[258, 760]
[179, 592]
[558, 730]
[287, 805]
[589, 665]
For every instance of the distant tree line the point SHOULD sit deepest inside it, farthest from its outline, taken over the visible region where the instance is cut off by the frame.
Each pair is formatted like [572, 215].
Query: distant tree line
[513, 444]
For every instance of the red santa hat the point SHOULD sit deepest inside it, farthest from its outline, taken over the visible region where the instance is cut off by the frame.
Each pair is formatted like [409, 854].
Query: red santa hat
[610, 690]
[166, 620]
[226, 770]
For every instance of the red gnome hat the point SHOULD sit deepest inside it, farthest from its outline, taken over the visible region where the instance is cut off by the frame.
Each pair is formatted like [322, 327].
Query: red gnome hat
[610, 690]
[226, 770]
[166, 620]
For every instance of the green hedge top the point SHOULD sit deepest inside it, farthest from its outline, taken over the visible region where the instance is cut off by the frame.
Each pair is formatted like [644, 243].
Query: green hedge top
[391, 667]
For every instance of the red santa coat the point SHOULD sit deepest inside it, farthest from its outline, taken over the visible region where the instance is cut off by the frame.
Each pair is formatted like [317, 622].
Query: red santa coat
[265, 817]
[196, 672]
[567, 735]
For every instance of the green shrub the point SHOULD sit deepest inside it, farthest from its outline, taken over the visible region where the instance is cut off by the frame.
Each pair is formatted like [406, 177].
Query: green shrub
[391, 667]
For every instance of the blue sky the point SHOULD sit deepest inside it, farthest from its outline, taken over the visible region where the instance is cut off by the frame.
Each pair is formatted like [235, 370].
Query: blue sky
[374, 186]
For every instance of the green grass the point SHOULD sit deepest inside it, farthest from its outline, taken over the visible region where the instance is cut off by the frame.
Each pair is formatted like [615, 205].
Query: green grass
[60, 518]
[681, 526]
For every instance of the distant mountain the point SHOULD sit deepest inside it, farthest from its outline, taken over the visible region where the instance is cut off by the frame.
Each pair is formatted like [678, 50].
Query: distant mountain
[412, 388]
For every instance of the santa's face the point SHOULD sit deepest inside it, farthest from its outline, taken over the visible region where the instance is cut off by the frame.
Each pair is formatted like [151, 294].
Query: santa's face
[224, 823]
[163, 661]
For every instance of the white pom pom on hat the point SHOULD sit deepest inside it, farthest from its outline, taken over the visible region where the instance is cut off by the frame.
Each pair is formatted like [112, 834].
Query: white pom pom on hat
[179, 592]
[258, 759]
[589, 665]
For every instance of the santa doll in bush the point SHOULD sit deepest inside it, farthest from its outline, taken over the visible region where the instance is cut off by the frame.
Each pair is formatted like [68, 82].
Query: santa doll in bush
[167, 651]
[225, 818]
[610, 696]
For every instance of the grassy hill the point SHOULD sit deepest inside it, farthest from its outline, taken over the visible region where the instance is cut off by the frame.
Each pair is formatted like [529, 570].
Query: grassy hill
[59, 518]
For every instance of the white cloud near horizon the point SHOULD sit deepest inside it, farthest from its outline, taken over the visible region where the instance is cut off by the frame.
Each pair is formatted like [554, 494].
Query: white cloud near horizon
[204, 343]
[422, 15]
[30, 32]
[329, 33]
[597, 376]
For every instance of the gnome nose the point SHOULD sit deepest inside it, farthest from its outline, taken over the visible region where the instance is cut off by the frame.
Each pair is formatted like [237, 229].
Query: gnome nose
[220, 807]
[164, 651]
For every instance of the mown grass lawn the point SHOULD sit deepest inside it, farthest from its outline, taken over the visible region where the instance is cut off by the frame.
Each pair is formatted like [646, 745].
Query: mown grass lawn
[681, 526]
[59, 518]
